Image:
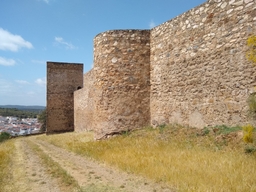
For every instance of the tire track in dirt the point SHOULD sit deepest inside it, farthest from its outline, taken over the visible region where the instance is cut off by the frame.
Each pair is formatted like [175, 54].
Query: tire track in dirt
[94, 177]
[29, 175]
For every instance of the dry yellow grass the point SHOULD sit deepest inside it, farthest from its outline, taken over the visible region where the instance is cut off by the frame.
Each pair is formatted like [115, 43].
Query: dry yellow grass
[6, 151]
[178, 157]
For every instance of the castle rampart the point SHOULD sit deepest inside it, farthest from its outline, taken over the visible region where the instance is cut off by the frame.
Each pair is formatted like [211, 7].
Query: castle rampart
[116, 97]
[199, 72]
[191, 70]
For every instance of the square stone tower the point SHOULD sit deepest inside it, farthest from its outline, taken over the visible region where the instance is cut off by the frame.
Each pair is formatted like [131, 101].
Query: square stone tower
[62, 80]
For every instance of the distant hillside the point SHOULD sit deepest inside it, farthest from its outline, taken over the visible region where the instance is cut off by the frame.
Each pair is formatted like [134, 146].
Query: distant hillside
[20, 113]
[23, 107]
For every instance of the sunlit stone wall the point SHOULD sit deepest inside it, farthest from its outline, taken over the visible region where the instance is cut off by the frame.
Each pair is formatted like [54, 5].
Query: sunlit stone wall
[199, 72]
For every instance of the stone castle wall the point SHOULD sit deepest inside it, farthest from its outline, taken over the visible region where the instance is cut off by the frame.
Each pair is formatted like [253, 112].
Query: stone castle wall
[199, 73]
[84, 104]
[190, 70]
[121, 86]
[62, 80]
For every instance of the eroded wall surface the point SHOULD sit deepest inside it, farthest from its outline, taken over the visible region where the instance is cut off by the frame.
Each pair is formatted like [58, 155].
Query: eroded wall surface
[122, 84]
[199, 73]
[84, 104]
[62, 80]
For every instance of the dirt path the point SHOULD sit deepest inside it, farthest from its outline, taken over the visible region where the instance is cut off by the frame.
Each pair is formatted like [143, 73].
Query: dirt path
[91, 174]
[31, 174]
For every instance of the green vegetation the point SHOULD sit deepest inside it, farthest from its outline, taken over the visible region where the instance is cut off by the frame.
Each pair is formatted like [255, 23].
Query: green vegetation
[221, 129]
[42, 119]
[18, 113]
[4, 136]
[184, 158]
[251, 43]
[25, 108]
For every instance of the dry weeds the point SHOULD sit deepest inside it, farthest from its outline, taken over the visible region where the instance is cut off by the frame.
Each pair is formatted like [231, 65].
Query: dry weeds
[7, 149]
[182, 158]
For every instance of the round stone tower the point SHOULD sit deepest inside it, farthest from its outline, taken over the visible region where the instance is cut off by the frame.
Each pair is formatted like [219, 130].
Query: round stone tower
[122, 80]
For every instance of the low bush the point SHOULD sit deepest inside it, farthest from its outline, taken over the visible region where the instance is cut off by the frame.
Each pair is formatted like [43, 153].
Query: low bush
[4, 136]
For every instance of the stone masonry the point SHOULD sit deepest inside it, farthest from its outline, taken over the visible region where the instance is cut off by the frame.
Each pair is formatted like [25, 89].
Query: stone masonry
[62, 80]
[84, 105]
[190, 70]
[199, 73]
[117, 98]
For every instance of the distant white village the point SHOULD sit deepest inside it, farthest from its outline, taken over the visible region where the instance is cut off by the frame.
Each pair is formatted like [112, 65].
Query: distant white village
[19, 127]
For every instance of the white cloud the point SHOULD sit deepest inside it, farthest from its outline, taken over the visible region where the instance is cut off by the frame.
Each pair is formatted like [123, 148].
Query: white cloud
[41, 81]
[6, 87]
[23, 82]
[18, 94]
[152, 24]
[7, 62]
[12, 42]
[60, 40]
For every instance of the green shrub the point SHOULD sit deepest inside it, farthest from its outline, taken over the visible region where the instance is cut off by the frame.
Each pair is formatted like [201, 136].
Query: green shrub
[162, 127]
[126, 133]
[206, 131]
[4, 136]
[42, 119]
[250, 149]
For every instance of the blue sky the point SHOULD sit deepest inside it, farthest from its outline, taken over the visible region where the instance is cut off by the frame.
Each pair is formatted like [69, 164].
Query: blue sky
[35, 31]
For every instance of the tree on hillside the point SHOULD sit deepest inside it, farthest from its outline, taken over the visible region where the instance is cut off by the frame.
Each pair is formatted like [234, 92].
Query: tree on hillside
[42, 119]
